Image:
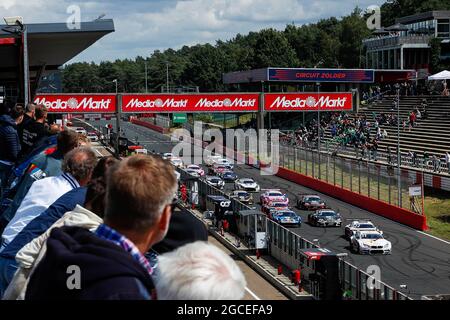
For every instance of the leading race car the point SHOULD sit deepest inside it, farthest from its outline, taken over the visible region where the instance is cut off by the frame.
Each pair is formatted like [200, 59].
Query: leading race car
[273, 195]
[167, 155]
[310, 202]
[287, 218]
[196, 168]
[369, 242]
[246, 184]
[325, 218]
[215, 182]
[359, 225]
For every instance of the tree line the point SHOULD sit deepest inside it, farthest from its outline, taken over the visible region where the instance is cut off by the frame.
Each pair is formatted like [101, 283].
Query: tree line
[332, 43]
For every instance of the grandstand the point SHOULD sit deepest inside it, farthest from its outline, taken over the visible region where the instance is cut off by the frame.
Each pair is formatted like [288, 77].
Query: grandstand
[430, 135]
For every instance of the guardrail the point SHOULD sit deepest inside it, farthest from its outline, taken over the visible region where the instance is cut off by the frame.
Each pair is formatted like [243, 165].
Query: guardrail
[284, 245]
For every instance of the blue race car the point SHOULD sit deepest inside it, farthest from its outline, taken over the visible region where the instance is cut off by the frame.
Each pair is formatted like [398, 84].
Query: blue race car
[287, 218]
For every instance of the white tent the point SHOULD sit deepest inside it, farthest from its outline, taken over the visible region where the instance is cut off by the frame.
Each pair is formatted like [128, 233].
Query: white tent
[443, 75]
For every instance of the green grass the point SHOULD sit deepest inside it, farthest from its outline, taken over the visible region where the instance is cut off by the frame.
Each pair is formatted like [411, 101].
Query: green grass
[437, 210]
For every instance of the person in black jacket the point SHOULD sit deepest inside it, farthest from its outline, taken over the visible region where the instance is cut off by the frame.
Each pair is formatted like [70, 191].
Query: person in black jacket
[34, 131]
[9, 142]
[28, 118]
[110, 263]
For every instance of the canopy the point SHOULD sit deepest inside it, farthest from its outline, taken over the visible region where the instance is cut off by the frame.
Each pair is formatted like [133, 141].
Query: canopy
[397, 27]
[443, 75]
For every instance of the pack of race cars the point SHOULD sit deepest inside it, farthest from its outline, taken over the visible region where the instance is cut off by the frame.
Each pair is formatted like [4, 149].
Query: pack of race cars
[363, 236]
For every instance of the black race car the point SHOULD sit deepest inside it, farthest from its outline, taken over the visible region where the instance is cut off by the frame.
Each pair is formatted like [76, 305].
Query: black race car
[325, 218]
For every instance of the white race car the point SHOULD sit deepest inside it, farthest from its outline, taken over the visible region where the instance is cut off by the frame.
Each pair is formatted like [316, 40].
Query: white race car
[210, 160]
[359, 225]
[177, 162]
[224, 162]
[196, 168]
[246, 184]
[368, 242]
[192, 172]
[167, 155]
[215, 182]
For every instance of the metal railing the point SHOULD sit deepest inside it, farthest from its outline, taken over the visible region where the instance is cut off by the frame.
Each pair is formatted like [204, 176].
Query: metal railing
[284, 245]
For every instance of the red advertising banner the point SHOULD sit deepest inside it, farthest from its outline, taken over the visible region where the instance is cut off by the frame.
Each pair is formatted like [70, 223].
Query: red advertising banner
[78, 103]
[308, 101]
[140, 103]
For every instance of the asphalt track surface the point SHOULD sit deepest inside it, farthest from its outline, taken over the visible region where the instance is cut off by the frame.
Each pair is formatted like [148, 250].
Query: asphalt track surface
[417, 260]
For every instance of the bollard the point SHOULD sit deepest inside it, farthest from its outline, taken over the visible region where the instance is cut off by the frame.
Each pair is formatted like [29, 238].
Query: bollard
[221, 232]
[280, 269]
[258, 254]
[193, 206]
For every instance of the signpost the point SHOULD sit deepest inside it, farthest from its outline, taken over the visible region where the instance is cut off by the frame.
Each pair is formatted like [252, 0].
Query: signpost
[179, 117]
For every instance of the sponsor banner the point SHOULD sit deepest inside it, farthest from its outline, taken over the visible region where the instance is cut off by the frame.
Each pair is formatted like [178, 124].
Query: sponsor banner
[308, 101]
[78, 103]
[321, 75]
[190, 103]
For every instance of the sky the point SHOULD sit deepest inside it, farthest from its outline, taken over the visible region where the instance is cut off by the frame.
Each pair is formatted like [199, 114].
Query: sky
[143, 26]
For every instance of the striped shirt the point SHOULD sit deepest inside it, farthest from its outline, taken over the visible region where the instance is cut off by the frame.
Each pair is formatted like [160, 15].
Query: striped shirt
[107, 233]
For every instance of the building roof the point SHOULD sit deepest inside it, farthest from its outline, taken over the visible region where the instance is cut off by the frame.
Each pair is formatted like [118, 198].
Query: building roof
[49, 44]
[423, 16]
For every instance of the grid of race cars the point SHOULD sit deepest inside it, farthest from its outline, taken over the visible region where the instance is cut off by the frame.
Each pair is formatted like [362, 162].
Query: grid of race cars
[363, 236]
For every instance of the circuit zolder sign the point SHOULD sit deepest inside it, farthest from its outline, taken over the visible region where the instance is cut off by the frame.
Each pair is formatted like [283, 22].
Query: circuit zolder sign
[78, 103]
[308, 101]
[139, 103]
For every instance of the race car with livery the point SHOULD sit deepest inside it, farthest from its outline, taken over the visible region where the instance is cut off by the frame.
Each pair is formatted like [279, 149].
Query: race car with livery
[242, 196]
[268, 209]
[273, 195]
[325, 218]
[246, 184]
[370, 242]
[359, 225]
[215, 181]
[196, 168]
[310, 202]
[287, 218]
[228, 176]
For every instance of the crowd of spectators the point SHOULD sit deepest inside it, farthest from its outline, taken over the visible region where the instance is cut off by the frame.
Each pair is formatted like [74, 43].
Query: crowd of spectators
[112, 220]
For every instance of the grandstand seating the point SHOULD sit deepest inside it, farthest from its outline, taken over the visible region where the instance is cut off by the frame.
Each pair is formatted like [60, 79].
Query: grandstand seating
[431, 134]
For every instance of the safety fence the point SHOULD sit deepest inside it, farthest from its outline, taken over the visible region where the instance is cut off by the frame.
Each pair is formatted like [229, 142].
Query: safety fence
[376, 181]
[284, 245]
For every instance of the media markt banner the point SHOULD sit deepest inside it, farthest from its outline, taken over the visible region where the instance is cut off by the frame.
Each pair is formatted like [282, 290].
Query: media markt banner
[165, 103]
[308, 101]
[78, 103]
[179, 118]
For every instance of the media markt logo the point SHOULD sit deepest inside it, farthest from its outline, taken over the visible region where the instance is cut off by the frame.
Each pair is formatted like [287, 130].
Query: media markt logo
[310, 102]
[72, 103]
[227, 102]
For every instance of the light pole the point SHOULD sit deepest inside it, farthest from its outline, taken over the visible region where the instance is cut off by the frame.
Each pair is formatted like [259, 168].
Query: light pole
[167, 76]
[145, 64]
[399, 183]
[117, 124]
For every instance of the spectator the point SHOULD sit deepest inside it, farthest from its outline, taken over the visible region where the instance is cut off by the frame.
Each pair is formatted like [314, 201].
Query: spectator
[65, 203]
[436, 164]
[28, 118]
[46, 164]
[139, 194]
[9, 143]
[426, 158]
[447, 161]
[88, 217]
[199, 271]
[34, 131]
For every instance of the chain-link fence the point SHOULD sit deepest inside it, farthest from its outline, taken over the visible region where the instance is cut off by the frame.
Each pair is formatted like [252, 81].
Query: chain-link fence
[381, 182]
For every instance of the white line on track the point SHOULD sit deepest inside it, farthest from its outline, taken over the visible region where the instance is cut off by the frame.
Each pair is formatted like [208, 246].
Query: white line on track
[426, 234]
[252, 293]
